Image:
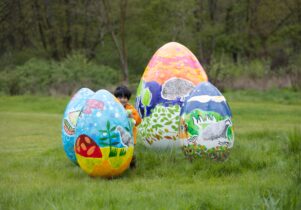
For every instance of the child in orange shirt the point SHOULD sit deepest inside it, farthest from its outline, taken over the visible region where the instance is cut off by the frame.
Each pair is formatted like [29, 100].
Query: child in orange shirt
[123, 94]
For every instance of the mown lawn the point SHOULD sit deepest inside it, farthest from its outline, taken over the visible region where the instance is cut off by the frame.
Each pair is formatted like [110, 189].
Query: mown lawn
[262, 172]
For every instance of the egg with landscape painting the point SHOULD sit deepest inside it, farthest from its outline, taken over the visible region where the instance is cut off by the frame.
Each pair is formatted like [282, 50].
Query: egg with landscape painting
[170, 75]
[206, 124]
[70, 120]
[104, 141]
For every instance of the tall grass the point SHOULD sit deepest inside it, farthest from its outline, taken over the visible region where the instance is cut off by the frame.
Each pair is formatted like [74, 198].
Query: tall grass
[262, 171]
[294, 141]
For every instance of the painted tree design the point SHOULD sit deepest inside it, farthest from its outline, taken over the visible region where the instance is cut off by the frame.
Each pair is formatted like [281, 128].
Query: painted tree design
[108, 138]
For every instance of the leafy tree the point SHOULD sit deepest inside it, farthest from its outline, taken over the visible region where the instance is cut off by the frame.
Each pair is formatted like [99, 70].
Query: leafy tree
[108, 137]
[125, 34]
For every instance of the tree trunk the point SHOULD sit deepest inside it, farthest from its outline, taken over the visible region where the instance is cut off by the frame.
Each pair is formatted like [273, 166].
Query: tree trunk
[40, 24]
[52, 37]
[67, 39]
[212, 7]
[198, 27]
[124, 59]
[122, 52]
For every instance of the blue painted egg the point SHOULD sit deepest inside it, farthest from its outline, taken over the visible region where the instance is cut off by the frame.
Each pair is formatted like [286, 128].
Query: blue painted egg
[71, 114]
[104, 141]
[206, 123]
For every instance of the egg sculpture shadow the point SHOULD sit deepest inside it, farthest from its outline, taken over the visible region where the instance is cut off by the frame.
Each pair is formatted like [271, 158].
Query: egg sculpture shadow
[70, 118]
[206, 124]
[104, 141]
[170, 75]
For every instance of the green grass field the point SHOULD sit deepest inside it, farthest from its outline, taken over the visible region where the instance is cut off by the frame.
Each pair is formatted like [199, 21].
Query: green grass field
[262, 172]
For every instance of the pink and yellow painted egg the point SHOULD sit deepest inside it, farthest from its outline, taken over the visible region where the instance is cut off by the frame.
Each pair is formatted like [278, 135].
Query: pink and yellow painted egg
[174, 60]
[169, 77]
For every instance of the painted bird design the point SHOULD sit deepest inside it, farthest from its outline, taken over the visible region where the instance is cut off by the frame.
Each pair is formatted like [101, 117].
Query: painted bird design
[125, 136]
[216, 130]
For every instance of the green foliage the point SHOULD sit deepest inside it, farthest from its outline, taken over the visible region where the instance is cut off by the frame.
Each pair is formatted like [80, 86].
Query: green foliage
[113, 152]
[107, 136]
[76, 71]
[168, 116]
[294, 141]
[231, 39]
[294, 71]
[222, 69]
[146, 97]
[38, 76]
[122, 152]
[34, 76]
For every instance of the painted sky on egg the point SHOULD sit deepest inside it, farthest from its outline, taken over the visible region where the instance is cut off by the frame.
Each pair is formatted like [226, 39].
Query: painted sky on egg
[100, 109]
[208, 98]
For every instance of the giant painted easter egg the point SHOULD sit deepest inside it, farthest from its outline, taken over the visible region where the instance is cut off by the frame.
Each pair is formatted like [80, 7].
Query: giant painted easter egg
[205, 124]
[70, 119]
[170, 75]
[104, 140]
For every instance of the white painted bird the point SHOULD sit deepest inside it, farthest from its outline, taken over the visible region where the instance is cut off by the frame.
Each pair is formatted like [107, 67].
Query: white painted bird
[216, 130]
[125, 136]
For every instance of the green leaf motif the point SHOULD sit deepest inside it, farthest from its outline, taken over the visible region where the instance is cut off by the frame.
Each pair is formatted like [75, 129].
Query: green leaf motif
[146, 98]
[113, 153]
[122, 152]
[108, 125]
[168, 123]
[230, 133]
[177, 108]
[113, 136]
[171, 111]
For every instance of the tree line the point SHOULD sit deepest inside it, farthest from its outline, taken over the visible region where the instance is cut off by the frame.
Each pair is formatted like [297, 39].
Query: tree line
[124, 34]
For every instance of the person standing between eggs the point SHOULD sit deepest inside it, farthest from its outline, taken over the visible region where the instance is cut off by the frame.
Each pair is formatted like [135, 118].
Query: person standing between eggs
[123, 94]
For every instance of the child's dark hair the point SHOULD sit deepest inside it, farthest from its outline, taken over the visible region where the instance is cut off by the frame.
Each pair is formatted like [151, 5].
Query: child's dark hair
[122, 91]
